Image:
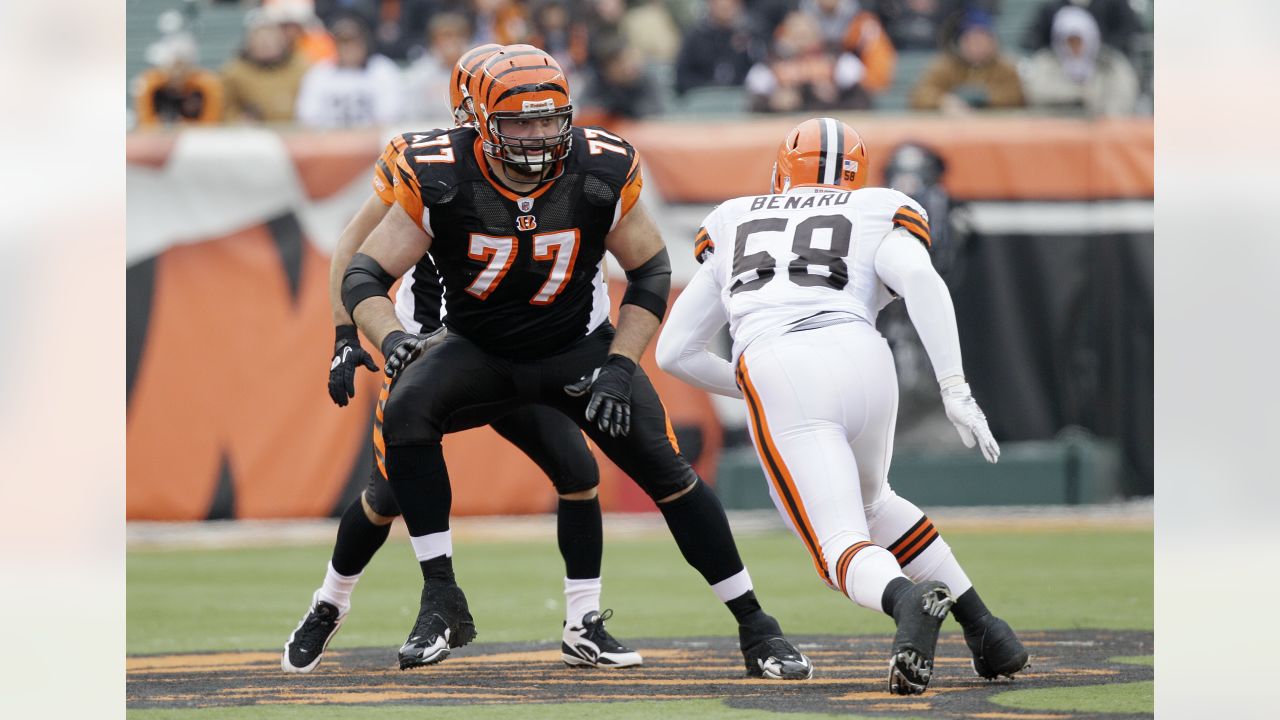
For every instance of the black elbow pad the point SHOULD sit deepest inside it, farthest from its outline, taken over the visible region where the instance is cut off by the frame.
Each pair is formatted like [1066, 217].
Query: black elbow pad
[364, 279]
[649, 285]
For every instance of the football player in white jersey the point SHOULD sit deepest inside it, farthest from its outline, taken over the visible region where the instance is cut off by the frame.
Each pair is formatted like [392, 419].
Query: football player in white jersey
[799, 276]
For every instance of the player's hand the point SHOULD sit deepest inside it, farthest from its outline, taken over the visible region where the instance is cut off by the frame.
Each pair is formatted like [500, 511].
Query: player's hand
[970, 422]
[610, 388]
[401, 348]
[347, 356]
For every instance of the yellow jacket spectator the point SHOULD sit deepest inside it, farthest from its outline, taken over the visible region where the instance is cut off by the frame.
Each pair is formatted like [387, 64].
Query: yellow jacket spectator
[972, 74]
[262, 82]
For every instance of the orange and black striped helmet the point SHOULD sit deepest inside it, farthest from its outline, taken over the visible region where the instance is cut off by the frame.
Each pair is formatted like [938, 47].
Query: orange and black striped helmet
[460, 82]
[821, 151]
[521, 82]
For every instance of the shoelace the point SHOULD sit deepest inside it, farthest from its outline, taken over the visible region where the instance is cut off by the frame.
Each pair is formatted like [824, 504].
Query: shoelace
[596, 633]
[320, 620]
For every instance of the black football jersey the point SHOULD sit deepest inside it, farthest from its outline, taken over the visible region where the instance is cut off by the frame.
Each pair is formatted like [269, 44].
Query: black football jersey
[523, 274]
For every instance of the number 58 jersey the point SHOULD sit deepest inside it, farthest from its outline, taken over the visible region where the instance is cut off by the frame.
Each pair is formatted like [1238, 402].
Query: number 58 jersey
[782, 260]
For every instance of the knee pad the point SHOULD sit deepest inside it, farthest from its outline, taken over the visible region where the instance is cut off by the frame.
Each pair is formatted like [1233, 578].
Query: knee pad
[378, 495]
[406, 417]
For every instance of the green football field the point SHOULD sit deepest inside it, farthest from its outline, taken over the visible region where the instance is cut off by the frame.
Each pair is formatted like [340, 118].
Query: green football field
[185, 601]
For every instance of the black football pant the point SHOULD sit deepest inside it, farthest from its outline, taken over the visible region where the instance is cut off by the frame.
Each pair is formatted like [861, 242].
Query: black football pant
[457, 386]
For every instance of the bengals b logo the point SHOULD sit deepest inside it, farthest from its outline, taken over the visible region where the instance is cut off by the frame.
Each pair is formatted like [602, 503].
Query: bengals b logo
[526, 222]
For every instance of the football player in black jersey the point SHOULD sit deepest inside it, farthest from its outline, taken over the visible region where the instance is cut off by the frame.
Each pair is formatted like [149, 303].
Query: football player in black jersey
[547, 436]
[517, 214]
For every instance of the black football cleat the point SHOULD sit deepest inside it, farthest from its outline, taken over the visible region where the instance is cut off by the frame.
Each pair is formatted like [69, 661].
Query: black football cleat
[767, 654]
[996, 649]
[919, 613]
[444, 623]
[307, 642]
[588, 644]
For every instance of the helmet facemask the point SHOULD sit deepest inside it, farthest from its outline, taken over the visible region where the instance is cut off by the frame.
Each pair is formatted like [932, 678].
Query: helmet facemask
[538, 156]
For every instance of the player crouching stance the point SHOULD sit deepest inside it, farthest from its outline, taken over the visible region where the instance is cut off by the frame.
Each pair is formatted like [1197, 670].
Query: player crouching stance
[800, 276]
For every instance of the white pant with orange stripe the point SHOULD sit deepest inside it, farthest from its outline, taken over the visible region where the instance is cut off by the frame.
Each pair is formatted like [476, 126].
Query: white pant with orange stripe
[823, 403]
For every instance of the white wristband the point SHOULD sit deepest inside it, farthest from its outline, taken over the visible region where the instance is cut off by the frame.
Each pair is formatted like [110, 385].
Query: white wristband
[951, 381]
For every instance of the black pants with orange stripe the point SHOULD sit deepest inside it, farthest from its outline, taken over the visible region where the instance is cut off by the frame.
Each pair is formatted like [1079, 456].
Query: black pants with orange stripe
[548, 438]
[457, 386]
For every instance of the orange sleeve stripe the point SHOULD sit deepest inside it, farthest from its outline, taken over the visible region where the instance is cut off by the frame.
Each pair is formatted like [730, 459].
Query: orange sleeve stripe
[911, 221]
[408, 195]
[631, 188]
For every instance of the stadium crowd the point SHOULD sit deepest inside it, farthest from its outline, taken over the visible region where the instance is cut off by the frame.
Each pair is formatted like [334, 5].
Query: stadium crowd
[354, 63]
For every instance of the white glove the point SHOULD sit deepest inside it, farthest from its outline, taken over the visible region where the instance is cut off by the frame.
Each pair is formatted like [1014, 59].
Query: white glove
[964, 413]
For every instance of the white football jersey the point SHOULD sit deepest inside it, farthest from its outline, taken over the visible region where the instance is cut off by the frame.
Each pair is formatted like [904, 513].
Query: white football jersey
[782, 259]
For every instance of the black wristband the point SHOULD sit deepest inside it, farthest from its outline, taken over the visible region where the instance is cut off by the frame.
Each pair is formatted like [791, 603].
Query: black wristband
[389, 342]
[346, 333]
[627, 363]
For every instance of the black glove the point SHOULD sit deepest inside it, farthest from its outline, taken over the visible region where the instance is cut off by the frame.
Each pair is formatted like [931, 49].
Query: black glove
[610, 387]
[347, 356]
[400, 348]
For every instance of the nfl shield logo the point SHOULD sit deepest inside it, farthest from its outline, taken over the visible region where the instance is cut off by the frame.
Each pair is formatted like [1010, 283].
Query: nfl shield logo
[525, 204]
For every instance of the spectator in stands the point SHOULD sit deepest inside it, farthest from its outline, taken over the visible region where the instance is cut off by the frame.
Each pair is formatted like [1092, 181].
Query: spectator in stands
[359, 89]
[498, 21]
[620, 89]
[603, 20]
[551, 29]
[833, 16]
[919, 24]
[719, 50]
[262, 81]
[971, 74]
[650, 29]
[804, 74]
[176, 90]
[1078, 72]
[306, 34]
[1116, 20]
[866, 39]
[426, 81]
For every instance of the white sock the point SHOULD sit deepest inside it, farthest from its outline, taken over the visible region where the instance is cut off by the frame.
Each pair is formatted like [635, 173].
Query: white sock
[901, 527]
[580, 598]
[732, 586]
[434, 545]
[337, 589]
[869, 572]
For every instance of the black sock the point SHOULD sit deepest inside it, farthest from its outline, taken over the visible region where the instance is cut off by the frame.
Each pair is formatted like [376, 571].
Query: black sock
[439, 568]
[744, 607]
[969, 608]
[420, 481]
[889, 598]
[358, 540]
[581, 535]
[701, 530]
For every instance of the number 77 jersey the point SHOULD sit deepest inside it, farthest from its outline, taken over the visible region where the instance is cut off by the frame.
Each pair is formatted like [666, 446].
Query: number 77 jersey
[523, 273]
[782, 260]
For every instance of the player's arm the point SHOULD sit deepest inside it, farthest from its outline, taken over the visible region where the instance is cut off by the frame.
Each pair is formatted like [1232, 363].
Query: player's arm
[637, 245]
[693, 321]
[902, 263]
[395, 245]
[348, 355]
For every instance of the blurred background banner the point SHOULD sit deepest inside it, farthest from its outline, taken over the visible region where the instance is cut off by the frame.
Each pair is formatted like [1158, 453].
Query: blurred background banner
[1023, 126]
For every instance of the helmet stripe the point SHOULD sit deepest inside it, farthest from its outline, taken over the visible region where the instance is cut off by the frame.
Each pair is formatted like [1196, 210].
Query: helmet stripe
[822, 152]
[830, 131]
[531, 88]
[838, 160]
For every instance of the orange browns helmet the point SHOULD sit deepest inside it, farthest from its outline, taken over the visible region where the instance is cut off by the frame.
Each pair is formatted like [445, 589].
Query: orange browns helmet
[522, 82]
[821, 151]
[460, 82]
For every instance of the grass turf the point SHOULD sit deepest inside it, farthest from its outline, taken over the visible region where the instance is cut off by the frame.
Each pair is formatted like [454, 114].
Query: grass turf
[181, 601]
[1129, 698]
[701, 709]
